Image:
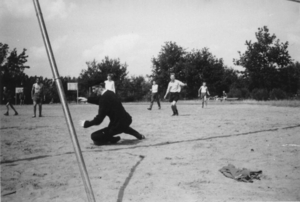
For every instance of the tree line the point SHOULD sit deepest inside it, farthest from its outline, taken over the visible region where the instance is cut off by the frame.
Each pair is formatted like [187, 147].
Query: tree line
[268, 72]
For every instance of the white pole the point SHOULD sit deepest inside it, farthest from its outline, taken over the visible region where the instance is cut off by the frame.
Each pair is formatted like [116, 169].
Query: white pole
[80, 160]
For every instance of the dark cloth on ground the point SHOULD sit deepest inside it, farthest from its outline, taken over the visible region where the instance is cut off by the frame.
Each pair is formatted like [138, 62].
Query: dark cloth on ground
[242, 175]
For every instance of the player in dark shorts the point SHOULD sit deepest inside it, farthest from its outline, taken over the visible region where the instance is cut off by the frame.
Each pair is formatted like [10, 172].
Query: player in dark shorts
[154, 95]
[37, 97]
[7, 98]
[174, 88]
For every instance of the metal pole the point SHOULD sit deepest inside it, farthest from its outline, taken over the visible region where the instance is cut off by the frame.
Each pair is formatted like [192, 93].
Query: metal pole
[80, 160]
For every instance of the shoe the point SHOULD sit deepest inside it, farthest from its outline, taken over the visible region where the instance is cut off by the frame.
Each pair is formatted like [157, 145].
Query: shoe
[149, 108]
[174, 114]
[6, 114]
[159, 108]
[114, 140]
[33, 116]
[40, 116]
[16, 113]
[142, 137]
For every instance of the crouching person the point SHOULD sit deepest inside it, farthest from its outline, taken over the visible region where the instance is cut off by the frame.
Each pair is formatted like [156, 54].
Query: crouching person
[120, 120]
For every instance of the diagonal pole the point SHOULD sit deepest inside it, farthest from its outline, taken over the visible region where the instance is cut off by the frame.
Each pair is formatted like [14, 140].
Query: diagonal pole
[80, 160]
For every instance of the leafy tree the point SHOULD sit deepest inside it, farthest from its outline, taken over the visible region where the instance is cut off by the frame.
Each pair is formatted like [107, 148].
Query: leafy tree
[169, 60]
[96, 72]
[290, 78]
[263, 60]
[12, 67]
[136, 88]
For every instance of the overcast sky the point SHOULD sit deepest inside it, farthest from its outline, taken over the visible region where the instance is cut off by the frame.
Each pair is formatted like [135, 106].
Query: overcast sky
[135, 30]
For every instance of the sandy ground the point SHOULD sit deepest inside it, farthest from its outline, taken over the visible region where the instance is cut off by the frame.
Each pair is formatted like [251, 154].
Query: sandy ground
[179, 160]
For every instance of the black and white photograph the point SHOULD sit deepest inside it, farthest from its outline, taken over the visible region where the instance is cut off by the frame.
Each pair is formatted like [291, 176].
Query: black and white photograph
[149, 101]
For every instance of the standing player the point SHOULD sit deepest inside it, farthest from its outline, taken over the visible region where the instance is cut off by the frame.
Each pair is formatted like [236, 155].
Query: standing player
[22, 98]
[120, 120]
[7, 98]
[224, 96]
[174, 88]
[154, 95]
[202, 93]
[110, 84]
[37, 97]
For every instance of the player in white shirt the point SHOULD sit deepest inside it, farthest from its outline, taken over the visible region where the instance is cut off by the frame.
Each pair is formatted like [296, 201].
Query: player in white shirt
[202, 93]
[154, 95]
[110, 84]
[37, 97]
[174, 88]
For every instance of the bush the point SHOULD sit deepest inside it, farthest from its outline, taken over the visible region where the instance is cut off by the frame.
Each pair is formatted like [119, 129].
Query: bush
[278, 94]
[245, 93]
[234, 93]
[260, 94]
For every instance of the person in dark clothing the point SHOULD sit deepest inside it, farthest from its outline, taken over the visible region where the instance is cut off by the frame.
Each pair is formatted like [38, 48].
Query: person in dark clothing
[7, 98]
[120, 120]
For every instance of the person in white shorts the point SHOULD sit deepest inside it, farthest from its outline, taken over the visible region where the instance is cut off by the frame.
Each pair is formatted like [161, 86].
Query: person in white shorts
[110, 84]
[202, 93]
[174, 88]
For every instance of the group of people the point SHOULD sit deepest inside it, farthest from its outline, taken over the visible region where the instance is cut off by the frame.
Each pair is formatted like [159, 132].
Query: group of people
[120, 120]
[109, 105]
[36, 95]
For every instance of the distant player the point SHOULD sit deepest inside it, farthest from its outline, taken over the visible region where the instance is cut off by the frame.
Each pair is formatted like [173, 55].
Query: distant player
[7, 98]
[174, 89]
[110, 84]
[22, 98]
[203, 93]
[224, 96]
[37, 97]
[154, 95]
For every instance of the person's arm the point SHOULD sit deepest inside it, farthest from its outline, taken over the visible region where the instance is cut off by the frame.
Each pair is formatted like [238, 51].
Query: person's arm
[32, 91]
[102, 112]
[113, 87]
[207, 92]
[168, 90]
[93, 100]
[182, 84]
[199, 91]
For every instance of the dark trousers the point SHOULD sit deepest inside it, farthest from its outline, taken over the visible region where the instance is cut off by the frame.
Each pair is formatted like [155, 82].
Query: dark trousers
[154, 97]
[107, 134]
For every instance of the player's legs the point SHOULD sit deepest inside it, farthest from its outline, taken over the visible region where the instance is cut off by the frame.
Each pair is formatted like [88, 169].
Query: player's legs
[16, 113]
[7, 109]
[157, 100]
[105, 136]
[40, 109]
[134, 133]
[205, 100]
[151, 102]
[34, 108]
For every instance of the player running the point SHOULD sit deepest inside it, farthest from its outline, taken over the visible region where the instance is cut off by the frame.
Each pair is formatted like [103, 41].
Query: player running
[37, 97]
[110, 84]
[7, 98]
[174, 88]
[154, 95]
[202, 93]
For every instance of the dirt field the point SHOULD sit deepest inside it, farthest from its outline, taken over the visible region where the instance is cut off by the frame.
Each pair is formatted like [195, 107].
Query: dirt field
[179, 160]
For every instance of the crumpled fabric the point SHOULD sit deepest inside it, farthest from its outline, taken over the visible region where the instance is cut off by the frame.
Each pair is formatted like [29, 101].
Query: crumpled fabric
[242, 175]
